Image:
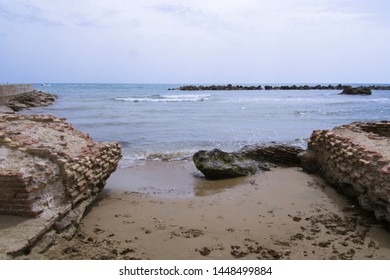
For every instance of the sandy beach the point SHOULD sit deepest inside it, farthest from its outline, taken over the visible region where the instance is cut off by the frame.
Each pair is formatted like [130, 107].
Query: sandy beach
[112, 116]
[167, 210]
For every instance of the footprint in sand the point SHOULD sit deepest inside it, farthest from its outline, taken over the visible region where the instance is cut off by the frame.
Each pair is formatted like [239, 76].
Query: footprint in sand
[237, 253]
[97, 230]
[159, 224]
[187, 233]
[204, 251]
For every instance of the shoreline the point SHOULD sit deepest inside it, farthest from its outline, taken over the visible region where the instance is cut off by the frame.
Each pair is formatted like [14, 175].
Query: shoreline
[279, 214]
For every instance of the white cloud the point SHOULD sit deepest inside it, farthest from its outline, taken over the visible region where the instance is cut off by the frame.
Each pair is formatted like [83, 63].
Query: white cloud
[192, 40]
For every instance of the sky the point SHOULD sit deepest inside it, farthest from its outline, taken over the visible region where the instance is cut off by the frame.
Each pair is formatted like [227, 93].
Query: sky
[195, 41]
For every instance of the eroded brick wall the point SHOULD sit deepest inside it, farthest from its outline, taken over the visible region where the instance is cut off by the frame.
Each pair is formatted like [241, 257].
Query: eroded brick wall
[15, 194]
[45, 164]
[356, 159]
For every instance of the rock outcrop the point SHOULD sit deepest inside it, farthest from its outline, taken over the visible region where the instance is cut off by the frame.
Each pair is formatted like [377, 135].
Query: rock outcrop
[50, 171]
[279, 154]
[356, 159]
[27, 100]
[357, 91]
[216, 164]
[6, 110]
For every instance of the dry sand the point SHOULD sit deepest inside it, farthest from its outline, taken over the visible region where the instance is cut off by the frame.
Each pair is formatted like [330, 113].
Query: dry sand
[166, 210]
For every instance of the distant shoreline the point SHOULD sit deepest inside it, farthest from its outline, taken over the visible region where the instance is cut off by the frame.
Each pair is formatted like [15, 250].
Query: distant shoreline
[284, 87]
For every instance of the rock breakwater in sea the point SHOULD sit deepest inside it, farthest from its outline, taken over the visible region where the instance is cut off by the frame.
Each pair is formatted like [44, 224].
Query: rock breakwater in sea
[357, 91]
[26, 100]
[49, 171]
[284, 87]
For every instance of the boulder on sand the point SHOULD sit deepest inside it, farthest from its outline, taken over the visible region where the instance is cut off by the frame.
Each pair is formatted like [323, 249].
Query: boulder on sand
[216, 164]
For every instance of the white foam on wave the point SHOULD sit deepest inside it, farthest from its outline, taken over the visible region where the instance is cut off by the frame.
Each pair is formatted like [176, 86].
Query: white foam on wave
[167, 98]
[137, 159]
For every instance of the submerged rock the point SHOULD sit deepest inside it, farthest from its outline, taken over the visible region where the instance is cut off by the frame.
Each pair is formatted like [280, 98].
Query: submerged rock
[216, 164]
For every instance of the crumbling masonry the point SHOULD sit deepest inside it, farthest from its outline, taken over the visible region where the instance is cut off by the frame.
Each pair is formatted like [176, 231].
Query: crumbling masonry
[47, 166]
[356, 159]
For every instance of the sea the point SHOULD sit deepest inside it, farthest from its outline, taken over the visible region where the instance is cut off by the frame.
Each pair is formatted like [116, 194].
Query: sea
[153, 123]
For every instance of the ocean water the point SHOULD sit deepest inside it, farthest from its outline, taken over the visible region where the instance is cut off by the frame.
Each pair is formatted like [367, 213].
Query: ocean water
[154, 123]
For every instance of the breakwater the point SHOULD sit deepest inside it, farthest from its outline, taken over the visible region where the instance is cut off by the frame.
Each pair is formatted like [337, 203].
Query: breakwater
[8, 92]
[17, 97]
[268, 87]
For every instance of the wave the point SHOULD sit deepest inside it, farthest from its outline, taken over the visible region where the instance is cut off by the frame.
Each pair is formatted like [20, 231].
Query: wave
[140, 158]
[307, 112]
[166, 98]
[136, 158]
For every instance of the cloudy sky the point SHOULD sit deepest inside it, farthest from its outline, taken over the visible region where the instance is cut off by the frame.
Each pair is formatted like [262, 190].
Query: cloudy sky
[195, 41]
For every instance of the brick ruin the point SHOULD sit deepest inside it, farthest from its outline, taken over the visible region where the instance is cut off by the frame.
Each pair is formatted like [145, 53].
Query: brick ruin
[356, 159]
[47, 165]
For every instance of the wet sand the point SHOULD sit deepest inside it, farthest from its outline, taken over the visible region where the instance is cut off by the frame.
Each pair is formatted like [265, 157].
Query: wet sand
[167, 210]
